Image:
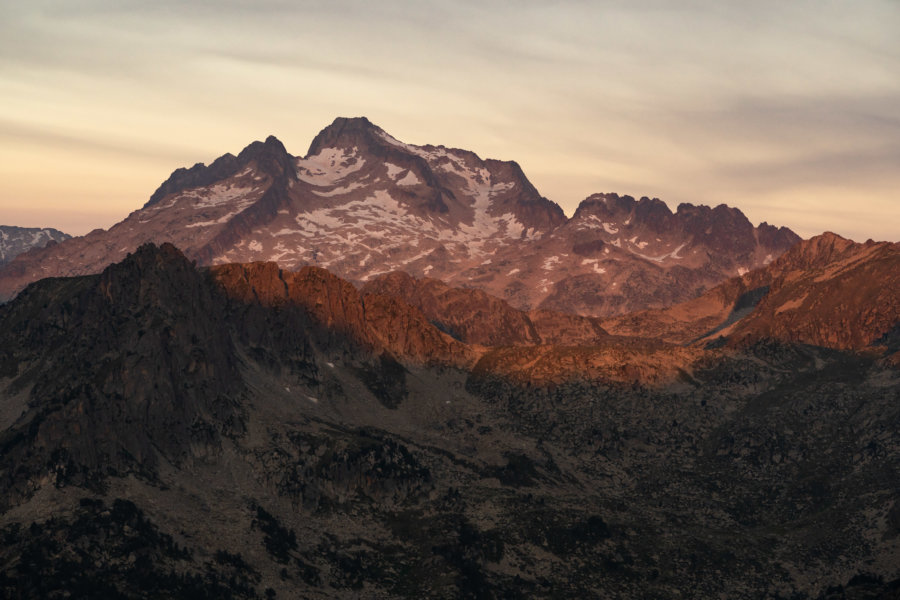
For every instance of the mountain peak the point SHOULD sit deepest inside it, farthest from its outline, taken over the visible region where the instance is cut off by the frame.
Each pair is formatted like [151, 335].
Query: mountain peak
[625, 210]
[346, 132]
[17, 240]
[612, 205]
[818, 251]
[353, 123]
[270, 156]
[148, 263]
[253, 149]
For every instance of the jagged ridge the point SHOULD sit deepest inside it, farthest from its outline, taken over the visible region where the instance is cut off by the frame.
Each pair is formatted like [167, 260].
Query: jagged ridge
[362, 203]
[168, 430]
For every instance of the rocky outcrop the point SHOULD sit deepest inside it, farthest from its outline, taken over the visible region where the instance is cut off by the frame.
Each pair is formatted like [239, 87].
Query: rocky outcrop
[468, 315]
[640, 362]
[829, 292]
[268, 157]
[245, 431]
[377, 322]
[143, 344]
[564, 329]
[826, 291]
[474, 317]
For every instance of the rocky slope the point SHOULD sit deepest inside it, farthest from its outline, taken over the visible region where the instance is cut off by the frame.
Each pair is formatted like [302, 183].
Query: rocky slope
[18, 240]
[617, 254]
[826, 291]
[245, 431]
[361, 203]
[476, 317]
[375, 322]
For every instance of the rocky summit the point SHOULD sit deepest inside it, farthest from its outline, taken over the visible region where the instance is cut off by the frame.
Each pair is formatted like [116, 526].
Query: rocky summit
[251, 431]
[361, 203]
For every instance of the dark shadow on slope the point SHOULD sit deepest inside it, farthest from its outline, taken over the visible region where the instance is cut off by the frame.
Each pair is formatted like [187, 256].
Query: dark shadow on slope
[744, 305]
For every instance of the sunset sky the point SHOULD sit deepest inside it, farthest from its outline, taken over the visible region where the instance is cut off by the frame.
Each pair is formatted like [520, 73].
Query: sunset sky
[788, 110]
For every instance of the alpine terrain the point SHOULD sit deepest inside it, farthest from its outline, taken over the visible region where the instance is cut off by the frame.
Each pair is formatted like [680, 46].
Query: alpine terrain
[361, 203]
[390, 371]
[243, 430]
[16, 240]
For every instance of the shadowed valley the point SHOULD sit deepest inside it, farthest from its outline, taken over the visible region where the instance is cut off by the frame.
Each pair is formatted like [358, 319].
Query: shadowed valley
[247, 431]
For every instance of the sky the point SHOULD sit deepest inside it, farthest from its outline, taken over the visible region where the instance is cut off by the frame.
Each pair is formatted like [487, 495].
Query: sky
[789, 111]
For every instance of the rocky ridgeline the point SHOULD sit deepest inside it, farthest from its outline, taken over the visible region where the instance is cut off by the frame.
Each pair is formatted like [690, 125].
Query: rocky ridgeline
[246, 431]
[379, 323]
[826, 291]
[362, 203]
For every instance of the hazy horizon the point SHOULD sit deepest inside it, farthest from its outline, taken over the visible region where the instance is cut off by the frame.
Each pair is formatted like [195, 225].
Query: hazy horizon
[790, 113]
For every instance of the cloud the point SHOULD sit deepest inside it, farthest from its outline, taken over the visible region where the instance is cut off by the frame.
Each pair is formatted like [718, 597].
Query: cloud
[840, 139]
[13, 133]
[682, 100]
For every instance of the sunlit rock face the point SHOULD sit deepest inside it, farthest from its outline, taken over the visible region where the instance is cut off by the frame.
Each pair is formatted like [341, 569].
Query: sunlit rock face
[826, 291]
[246, 431]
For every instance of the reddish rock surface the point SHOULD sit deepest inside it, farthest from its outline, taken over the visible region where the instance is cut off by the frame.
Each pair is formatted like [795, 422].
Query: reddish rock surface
[826, 291]
[378, 322]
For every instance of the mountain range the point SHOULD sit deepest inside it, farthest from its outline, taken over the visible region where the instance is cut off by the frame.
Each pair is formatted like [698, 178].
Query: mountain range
[694, 407]
[361, 203]
[244, 430]
[17, 240]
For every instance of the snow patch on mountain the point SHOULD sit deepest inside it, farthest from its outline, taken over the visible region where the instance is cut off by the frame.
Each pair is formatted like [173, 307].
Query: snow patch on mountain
[409, 179]
[511, 226]
[395, 142]
[393, 170]
[673, 254]
[223, 219]
[329, 166]
[593, 263]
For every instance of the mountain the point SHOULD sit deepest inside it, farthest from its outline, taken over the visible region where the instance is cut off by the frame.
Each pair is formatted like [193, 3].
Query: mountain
[476, 317]
[18, 240]
[631, 254]
[246, 431]
[826, 291]
[361, 203]
[374, 322]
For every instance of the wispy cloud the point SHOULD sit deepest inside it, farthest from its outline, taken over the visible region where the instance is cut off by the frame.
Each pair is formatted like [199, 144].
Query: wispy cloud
[701, 99]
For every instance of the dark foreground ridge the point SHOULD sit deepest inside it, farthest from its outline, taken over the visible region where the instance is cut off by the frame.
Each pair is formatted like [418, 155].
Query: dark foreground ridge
[173, 432]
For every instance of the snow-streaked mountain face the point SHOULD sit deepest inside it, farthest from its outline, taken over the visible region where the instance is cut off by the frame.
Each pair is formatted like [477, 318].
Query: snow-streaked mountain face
[617, 254]
[16, 240]
[362, 203]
